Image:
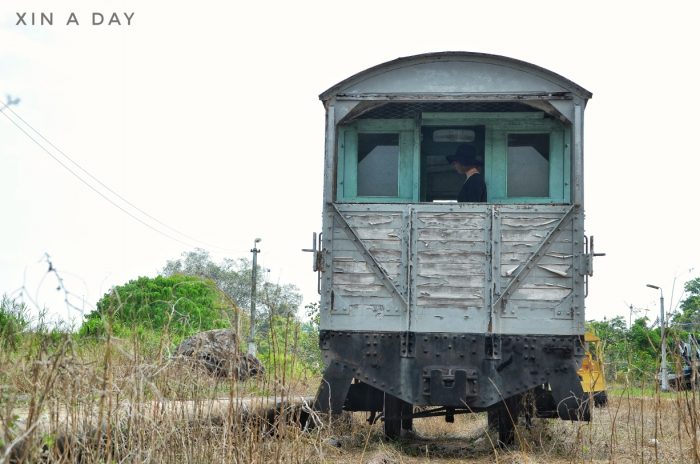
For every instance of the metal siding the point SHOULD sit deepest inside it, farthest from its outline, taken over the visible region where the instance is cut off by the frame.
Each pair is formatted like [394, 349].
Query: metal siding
[329, 169]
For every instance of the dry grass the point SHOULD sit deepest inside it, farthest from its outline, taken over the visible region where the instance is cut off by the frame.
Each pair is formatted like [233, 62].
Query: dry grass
[109, 402]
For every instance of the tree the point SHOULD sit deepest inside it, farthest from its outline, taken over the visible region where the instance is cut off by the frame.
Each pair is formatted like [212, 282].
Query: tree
[689, 314]
[613, 335]
[644, 349]
[234, 278]
[181, 304]
[632, 352]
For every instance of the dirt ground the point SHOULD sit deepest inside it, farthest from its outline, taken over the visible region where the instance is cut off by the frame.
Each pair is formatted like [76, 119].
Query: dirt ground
[628, 430]
[154, 413]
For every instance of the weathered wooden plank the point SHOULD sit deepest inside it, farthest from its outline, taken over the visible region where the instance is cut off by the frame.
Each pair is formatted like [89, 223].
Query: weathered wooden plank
[360, 290]
[354, 300]
[452, 268]
[553, 270]
[350, 266]
[451, 235]
[532, 210]
[557, 248]
[541, 293]
[537, 222]
[428, 305]
[450, 246]
[341, 266]
[473, 293]
[369, 235]
[356, 279]
[541, 276]
[377, 233]
[382, 256]
[393, 221]
[450, 257]
[426, 282]
[520, 254]
[451, 221]
[532, 235]
[371, 304]
[345, 244]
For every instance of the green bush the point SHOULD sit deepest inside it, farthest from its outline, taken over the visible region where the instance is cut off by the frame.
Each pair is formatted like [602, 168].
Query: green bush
[181, 305]
[14, 320]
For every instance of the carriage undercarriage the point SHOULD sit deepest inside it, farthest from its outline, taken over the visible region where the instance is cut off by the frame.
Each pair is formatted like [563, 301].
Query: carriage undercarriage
[446, 374]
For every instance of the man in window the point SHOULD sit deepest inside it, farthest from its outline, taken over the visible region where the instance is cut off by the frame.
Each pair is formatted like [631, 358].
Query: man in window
[467, 162]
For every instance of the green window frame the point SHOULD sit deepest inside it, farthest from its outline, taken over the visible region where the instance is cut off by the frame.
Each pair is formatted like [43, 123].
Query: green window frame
[559, 163]
[407, 170]
[497, 128]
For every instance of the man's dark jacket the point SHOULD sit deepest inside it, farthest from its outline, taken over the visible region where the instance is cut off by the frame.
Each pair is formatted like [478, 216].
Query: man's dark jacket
[473, 190]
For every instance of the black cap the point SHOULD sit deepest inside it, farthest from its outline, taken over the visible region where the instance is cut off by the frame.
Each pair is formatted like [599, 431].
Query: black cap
[466, 156]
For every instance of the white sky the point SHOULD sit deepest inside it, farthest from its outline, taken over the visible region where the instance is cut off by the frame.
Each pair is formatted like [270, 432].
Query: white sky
[205, 115]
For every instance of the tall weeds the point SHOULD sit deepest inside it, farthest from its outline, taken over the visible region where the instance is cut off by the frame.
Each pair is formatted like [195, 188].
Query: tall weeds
[66, 398]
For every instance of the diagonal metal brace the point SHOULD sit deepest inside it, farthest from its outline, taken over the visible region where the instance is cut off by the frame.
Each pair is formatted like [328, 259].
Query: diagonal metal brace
[530, 263]
[373, 264]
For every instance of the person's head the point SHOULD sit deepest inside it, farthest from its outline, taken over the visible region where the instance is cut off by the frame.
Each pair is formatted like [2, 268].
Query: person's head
[465, 158]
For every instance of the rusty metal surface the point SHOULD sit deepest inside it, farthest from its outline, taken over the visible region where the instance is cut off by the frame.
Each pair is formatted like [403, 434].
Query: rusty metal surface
[466, 370]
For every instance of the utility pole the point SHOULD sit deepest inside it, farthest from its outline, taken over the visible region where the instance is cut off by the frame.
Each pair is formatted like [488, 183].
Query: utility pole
[251, 339]
[631, 309]
[664, 368]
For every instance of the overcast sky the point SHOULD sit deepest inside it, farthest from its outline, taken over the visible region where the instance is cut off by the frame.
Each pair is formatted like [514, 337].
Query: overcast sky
[206, 116]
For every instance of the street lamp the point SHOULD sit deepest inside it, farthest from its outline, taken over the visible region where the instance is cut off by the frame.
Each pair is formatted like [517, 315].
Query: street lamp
[251, 337]
[664, 369]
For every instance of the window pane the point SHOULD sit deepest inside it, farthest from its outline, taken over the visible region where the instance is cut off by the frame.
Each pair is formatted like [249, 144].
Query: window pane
[528, 165]
[378, 165]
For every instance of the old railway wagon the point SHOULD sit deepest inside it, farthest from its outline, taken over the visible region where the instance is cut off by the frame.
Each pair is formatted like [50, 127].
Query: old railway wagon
[453, 307]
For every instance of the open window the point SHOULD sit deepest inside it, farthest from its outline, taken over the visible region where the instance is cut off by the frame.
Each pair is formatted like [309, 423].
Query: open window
[529, 163]
[376, 161]
[439, 180]
[384, 160]
[378, 164]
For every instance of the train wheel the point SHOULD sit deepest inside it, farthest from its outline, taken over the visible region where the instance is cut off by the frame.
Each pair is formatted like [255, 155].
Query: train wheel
[503, 416]
[397, 416]
[600, 399]
[407, 416]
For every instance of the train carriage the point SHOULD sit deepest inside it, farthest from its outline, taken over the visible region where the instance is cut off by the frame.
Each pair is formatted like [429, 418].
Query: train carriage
[457, 307]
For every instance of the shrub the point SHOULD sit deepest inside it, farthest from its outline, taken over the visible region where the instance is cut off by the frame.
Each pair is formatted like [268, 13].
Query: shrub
[179, 304]
[13, 322]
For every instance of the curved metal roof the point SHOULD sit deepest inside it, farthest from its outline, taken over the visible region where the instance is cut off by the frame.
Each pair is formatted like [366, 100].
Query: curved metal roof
[455, 73]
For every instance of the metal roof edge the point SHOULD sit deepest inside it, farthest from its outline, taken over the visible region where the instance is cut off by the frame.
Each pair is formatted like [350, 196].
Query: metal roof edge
[456, 56]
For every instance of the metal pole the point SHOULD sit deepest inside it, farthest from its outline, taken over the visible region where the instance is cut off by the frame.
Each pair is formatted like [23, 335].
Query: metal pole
[664, 367]
[251, 339]
[630, 326]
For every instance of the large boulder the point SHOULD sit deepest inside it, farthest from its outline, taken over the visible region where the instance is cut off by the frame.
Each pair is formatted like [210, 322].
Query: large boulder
[218, 352]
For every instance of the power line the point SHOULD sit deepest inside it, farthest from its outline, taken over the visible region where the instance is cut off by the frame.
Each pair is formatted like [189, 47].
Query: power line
[6, 106]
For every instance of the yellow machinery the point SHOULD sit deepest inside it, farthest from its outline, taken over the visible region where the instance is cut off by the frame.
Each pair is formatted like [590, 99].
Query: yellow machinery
[591, 372]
